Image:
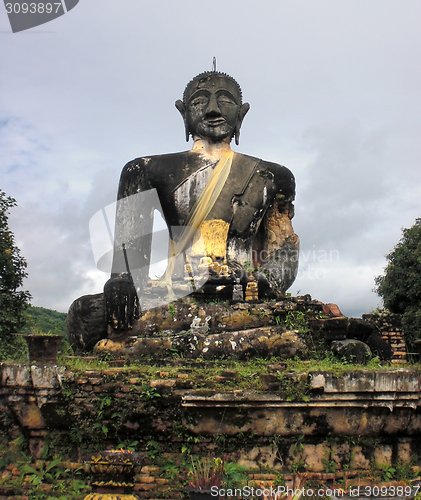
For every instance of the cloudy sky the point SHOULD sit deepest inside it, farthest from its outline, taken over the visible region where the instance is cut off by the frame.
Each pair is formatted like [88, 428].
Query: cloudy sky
[334, 88]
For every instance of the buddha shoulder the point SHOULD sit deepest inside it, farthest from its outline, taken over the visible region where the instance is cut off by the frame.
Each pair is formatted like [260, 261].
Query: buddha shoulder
[146, 162]
[281, 176]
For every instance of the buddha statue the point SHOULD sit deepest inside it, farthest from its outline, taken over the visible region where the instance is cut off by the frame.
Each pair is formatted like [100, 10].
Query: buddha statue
[233, 213]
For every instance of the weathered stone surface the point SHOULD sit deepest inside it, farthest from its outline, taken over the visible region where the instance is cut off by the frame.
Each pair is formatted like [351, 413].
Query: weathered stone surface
[358, 459]
[163, 385]
[332, 310]
[379, 347]
[222, 316]
[45, 377]
[29, 415]
[313, 456]
[15, 375]
[404, 450]
[357, 423]
[246, 222]
[383, 456]
[270, 382]
[353, 351]
[365, 381]
[317, 381]
[266, 342]
[359, 329]
[339, 453]
[107, 345]
[389, 326]
[352, 381]
[397, 380]
[264, 456]
[267, 414]
[397, 420]
[86, 322]
[382, 404]
[248, 458]
[335, 328]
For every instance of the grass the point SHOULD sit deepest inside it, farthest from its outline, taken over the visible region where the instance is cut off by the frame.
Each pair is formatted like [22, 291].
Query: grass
[204, 374]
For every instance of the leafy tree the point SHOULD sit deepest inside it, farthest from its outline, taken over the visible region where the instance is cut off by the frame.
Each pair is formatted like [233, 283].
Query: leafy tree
[400, 287]
[13, 301]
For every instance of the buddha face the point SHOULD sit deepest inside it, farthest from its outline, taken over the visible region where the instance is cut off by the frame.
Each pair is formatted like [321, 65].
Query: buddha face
[213, 108]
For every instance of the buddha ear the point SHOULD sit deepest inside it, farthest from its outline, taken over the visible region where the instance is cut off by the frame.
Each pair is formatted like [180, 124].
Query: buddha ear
[241, 114]
[180, 106]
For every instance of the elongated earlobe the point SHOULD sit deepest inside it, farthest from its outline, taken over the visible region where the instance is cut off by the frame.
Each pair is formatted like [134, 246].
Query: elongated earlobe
[241, 114]
[180, 106]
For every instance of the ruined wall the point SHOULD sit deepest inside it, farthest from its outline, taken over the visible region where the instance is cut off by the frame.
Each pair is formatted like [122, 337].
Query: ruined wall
[309, 421]
[390, 327]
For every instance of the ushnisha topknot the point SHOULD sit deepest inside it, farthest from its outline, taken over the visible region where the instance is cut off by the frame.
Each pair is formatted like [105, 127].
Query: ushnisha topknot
[206, 76]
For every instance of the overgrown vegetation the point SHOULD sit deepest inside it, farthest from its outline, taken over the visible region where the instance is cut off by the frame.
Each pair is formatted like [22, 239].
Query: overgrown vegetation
[13, 300]
[42, 480]
[54, 477]
[400, 287]
[45, 320]
[245, 374]
[122, 411]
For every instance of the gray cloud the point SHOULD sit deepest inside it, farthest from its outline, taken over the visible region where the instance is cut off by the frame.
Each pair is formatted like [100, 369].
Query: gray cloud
[334, 93]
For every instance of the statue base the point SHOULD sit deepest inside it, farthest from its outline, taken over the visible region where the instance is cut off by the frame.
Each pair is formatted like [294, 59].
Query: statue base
[237, 328]
[285, 327]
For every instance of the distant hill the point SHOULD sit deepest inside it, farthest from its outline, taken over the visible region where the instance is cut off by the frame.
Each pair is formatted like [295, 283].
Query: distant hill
[44, 319]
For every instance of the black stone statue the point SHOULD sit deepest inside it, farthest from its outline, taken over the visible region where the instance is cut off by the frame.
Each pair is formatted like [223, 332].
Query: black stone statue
[228, 216]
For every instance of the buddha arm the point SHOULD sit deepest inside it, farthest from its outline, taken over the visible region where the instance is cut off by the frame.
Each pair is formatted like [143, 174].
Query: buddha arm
[136, 202]
[132, 246]
[280, 245]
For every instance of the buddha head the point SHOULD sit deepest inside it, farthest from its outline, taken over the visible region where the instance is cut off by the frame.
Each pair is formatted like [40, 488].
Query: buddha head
[212, 107]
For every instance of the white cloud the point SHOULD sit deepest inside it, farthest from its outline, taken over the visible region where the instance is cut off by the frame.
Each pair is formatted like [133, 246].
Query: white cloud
[334, 93]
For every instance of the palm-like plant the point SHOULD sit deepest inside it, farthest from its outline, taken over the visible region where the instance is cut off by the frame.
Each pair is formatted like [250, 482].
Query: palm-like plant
[205, 473]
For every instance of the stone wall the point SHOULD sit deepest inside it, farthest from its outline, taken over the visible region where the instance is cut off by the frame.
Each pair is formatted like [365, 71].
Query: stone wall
[352, 421]
[390, 327]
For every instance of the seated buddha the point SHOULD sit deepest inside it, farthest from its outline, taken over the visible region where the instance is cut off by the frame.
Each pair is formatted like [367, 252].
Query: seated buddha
[228, 214]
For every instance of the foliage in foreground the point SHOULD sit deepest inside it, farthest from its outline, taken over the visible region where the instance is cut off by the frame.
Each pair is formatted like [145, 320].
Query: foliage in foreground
[45, 320]
[400, 287]
[13, 300]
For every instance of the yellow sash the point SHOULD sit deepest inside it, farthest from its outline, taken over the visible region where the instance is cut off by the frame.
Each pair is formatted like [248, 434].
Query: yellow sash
[200, 211]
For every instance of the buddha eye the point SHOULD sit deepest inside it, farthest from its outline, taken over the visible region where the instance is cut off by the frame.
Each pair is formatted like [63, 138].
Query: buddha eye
[199, 101]
[223, 99]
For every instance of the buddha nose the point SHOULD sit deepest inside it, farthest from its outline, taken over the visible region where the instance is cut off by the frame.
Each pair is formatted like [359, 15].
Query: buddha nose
[213, 108]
